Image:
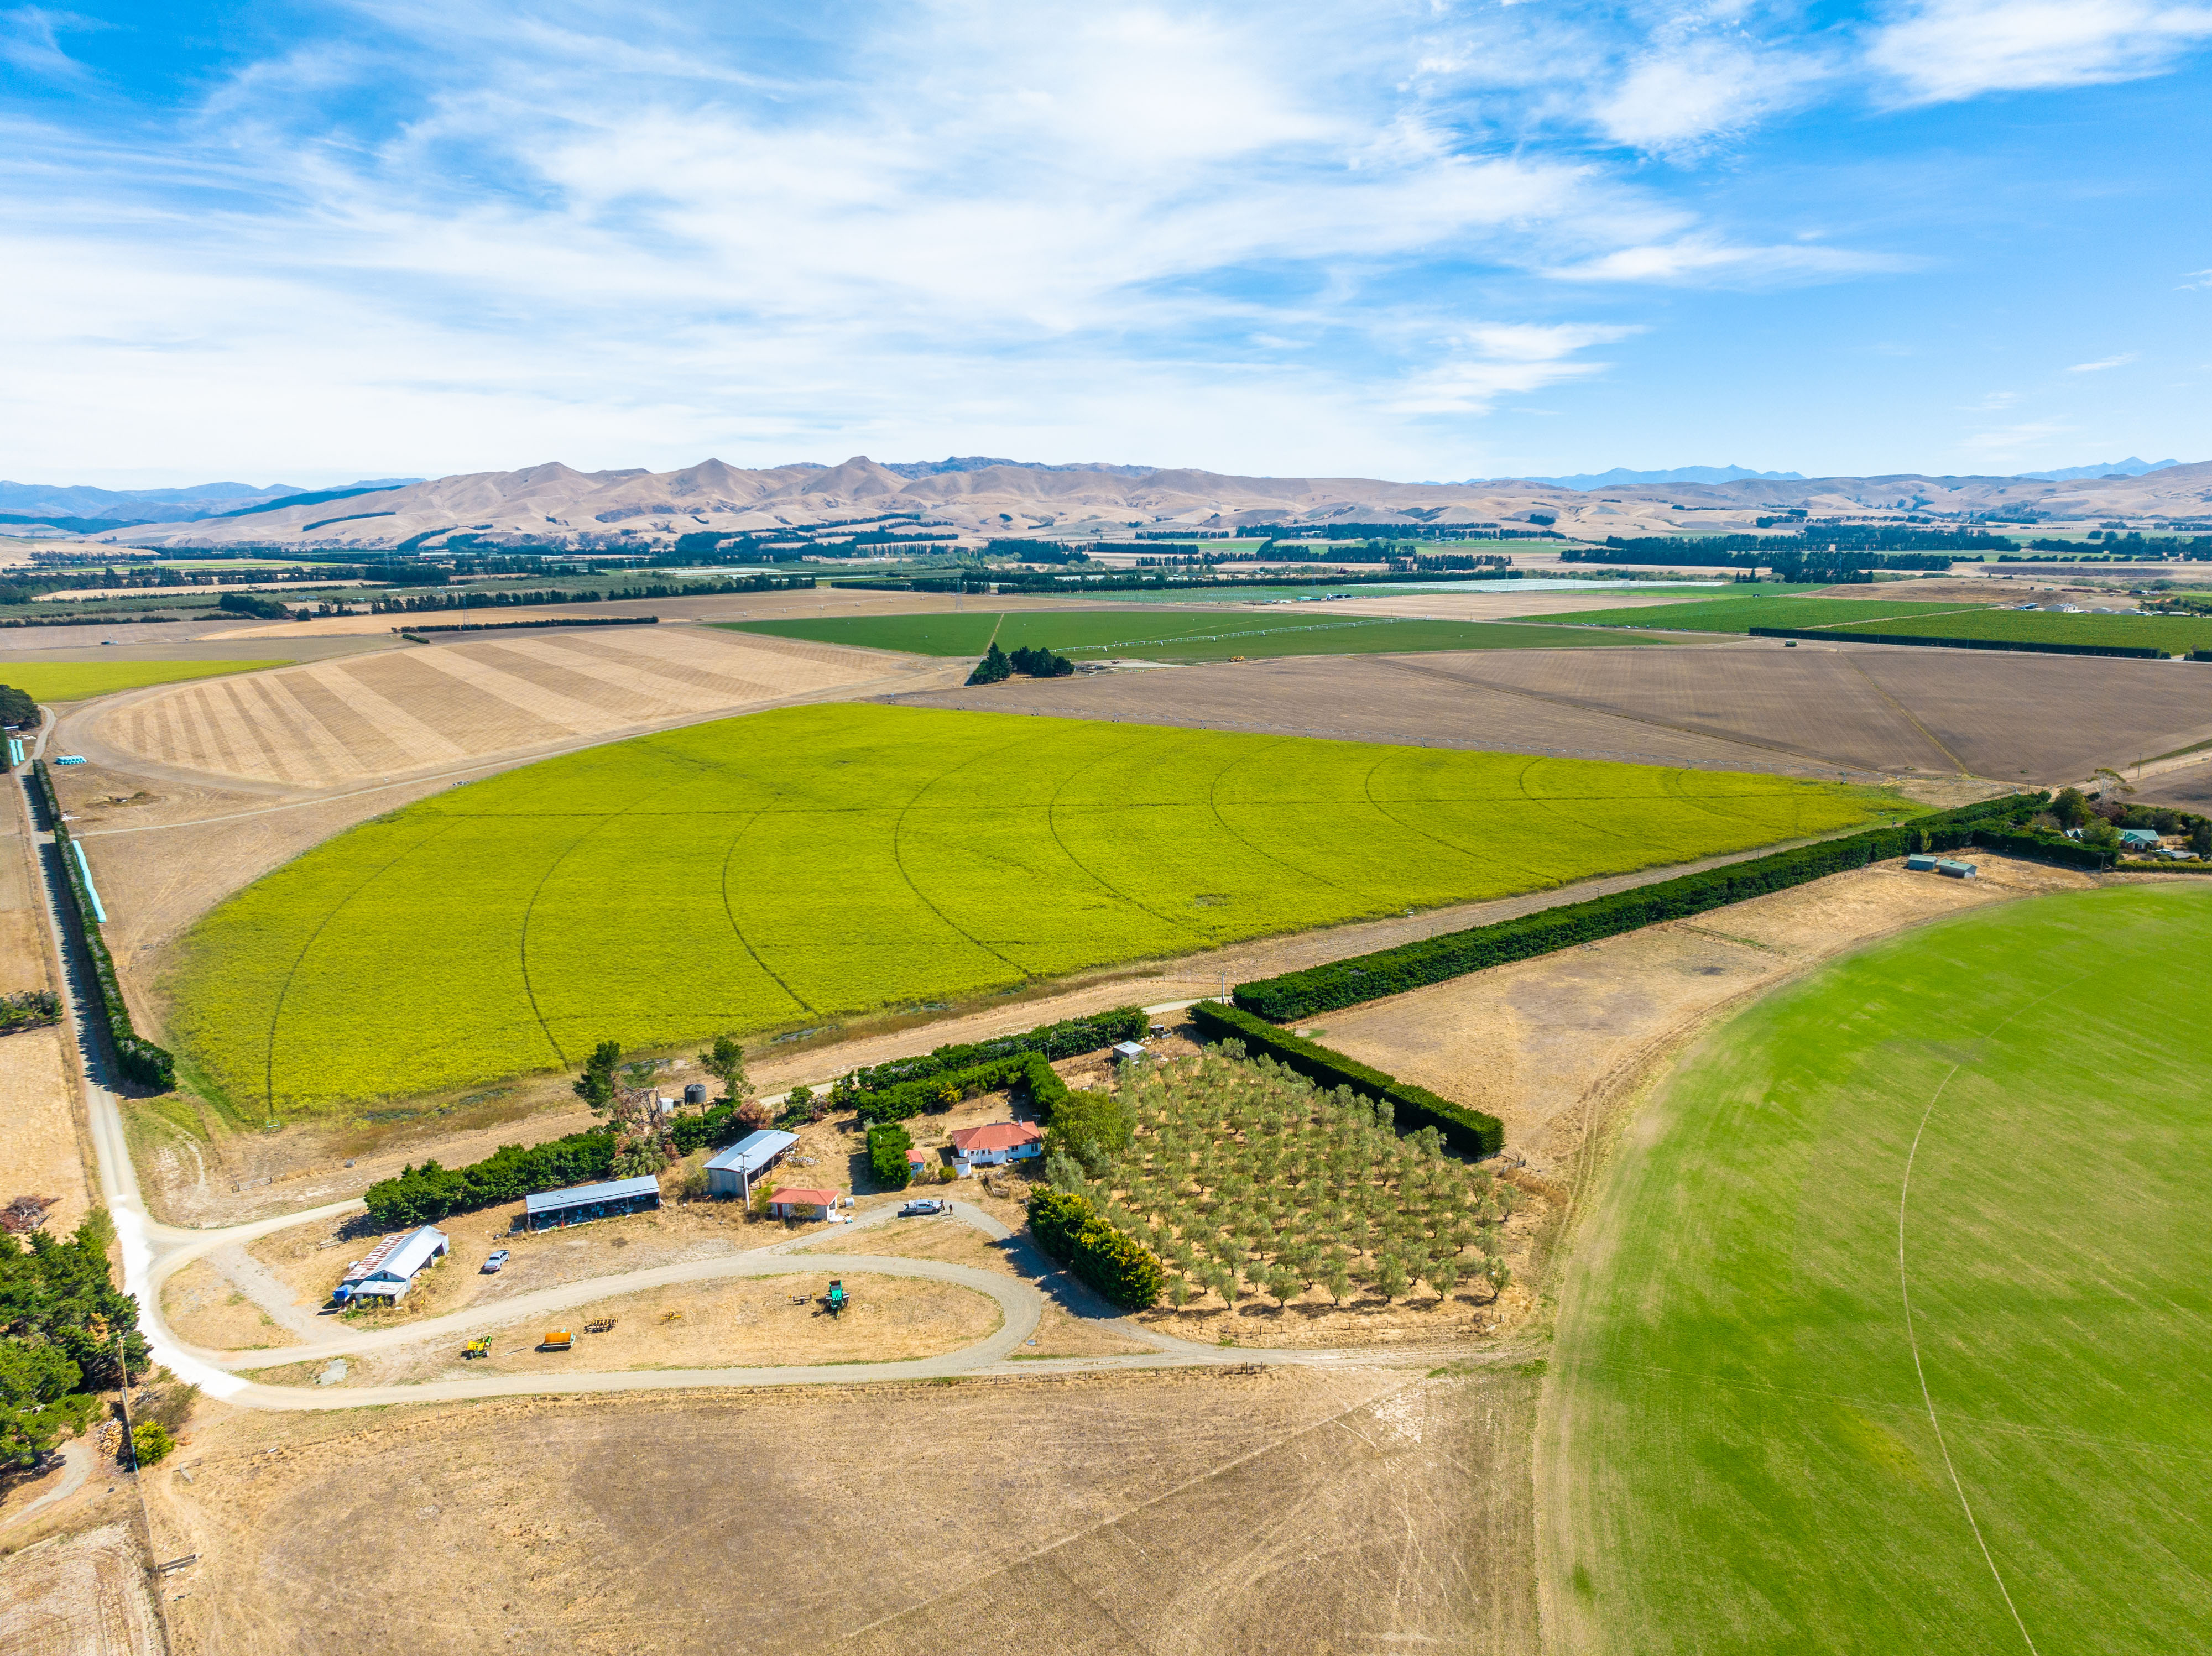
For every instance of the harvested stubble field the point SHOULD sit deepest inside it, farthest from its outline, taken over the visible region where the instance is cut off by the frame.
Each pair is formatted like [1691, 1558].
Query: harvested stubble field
[1248, 1180]
[371, 716]
[1883, 1332]
[80, 1595]
[1157, 634]
[2040, 720]
[1282, 1512]
[789, 868]
[79, 681]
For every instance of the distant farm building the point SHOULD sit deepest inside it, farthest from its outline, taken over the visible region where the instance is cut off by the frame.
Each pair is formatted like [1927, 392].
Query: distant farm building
[389, 1270]
[2139, 838]
[996, 1142]
[796, 1202]
[581, 1204]
[733, 1172]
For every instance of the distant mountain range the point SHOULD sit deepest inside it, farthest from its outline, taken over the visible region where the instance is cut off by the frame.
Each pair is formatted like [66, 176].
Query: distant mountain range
[47, 502]
[2129, 467]
[1622, 477]
[555, 505]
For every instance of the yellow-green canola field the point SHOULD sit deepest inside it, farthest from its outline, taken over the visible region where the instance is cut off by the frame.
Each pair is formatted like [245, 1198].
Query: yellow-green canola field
[793, 867]
[1890, 1329]
[80, 681]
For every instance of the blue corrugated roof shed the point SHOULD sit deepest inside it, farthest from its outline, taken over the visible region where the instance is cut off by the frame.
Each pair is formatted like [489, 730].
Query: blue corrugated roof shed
[755, 1151]
[579, 1196]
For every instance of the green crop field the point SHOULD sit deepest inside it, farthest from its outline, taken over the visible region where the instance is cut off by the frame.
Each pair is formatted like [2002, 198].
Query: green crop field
[2175, 634]
[1738, 615]
[79, 681]
[1212, 635]
[792, 867]
[1887, 1331]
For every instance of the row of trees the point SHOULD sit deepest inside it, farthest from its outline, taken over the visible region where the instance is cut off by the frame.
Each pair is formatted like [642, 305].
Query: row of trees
[997, 666]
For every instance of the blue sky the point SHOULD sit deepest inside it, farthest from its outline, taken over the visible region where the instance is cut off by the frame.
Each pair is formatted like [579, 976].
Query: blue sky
[305, 243]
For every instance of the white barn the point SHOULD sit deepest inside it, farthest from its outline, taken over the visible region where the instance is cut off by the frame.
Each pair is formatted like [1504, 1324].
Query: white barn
[390, 1268]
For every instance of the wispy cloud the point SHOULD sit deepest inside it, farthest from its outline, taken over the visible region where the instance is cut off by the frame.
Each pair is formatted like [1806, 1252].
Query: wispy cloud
[2103, 362]
[1950, 49]
[30, 40]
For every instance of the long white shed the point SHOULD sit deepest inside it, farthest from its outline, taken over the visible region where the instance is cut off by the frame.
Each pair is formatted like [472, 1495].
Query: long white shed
[732, 1170]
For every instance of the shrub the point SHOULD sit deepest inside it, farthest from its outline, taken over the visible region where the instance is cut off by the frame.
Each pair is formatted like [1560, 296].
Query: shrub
[1469, 1131]
[1109, 1259]
[150, 1443]
[1436, 959]
[887, 1148]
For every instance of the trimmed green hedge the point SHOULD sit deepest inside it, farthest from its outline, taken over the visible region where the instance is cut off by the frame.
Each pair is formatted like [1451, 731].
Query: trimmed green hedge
[1436, 959]
[139, 1059]
[1027, 1071]
[1469, 1131]
[1070, 1038]
[887, 1148]
[2051, 847]
[1111, 1260]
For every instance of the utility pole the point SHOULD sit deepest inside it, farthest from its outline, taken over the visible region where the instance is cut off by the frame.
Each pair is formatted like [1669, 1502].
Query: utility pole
[130, 1448]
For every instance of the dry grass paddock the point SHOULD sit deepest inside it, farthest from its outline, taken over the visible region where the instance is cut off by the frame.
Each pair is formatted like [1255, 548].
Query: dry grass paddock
[1278, 1512]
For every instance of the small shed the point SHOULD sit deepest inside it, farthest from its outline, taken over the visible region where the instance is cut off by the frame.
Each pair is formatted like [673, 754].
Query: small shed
[581, 1204]
[732, 1171]
[1129, 1051]
[389, 1269]
[1957, 870]
[796, 1202]
[996, 1142]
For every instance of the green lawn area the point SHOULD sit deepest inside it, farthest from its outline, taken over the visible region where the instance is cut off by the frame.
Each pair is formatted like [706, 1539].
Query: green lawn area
[2007, 1117]
[1209, 636]
[78, 681]
[1737, 614]
[792, 867]
[2175, 634]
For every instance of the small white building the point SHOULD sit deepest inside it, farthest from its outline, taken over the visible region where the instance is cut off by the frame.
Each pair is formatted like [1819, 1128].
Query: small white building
[995, 1142]
[796, 1201]
[733, 1172]
[390, 1267]
[1129, 1051]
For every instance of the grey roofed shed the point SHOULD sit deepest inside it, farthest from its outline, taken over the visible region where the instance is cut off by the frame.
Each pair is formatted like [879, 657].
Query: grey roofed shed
[732, 1171]
[581, 1203]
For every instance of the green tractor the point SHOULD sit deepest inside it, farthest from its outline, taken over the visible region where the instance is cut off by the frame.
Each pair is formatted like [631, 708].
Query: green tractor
[834, 1299]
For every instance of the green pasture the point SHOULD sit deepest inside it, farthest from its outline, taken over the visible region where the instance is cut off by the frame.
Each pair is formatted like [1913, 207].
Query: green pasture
[79, 681]
[2175, 634]
[1211, 635]
[797, 867]
[1738, 615]
[1738, 1452]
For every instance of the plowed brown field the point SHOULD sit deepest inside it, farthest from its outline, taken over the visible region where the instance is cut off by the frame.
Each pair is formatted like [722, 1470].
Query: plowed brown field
[1739, 705]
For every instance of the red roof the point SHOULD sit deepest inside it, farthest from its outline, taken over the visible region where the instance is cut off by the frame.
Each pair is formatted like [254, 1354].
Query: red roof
[820, 1199]
[996, 1136]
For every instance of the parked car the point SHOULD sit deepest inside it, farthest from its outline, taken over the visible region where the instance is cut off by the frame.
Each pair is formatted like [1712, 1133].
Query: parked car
[924, 1204]
[492, 1264]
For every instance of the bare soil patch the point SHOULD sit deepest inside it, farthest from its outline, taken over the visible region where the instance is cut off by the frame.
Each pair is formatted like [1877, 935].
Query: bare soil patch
[79, 1595]
[1170, 1513]
[38, 1140]
[206, 1308]
[1739, 704]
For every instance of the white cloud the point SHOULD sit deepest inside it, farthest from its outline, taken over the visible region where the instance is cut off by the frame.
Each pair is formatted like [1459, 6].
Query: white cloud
[1674, 97]
[1701, 258]
[1495, 360]
[1945, 50]
[2103, 362]
[30, 40]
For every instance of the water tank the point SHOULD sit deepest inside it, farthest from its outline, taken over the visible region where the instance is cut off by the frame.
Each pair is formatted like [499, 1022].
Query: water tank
[695, 1093]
